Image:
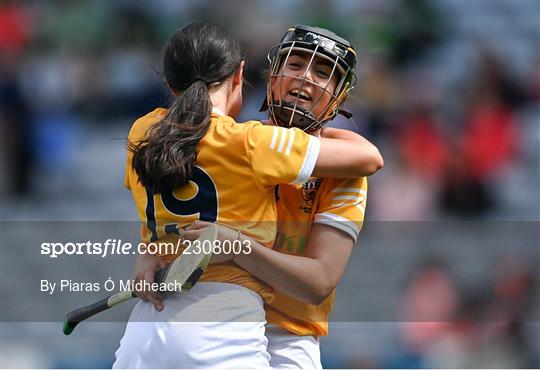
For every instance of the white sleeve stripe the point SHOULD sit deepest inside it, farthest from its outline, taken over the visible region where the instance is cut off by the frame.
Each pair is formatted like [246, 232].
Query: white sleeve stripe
[362, 208]
[283, 137]
[348, 203]
[310, 159]
[274, 138]
[338, 222]
[335, 218]
[346, 197]
[349, 190]
[291, 141]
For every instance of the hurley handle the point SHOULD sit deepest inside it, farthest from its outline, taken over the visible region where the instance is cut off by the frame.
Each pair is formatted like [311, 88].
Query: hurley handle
[78, 315]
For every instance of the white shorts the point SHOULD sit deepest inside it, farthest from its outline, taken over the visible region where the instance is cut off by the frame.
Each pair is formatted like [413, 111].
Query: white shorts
[291, 351]
[214, 325]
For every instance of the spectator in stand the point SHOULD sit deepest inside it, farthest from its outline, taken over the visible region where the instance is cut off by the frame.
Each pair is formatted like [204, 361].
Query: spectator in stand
[15, 34]
[422, 144]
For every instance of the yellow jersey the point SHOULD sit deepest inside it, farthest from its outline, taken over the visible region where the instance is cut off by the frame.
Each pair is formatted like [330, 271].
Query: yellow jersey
[339, 203]
[233, 183]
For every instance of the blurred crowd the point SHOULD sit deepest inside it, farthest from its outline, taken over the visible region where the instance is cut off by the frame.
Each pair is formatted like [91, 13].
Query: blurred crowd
[448, 90]
[447, 326]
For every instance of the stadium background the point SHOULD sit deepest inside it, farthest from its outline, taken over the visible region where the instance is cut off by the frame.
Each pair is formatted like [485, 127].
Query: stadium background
[448, 90]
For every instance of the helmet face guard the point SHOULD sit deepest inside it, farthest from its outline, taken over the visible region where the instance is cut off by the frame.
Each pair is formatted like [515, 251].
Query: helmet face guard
[312, 43]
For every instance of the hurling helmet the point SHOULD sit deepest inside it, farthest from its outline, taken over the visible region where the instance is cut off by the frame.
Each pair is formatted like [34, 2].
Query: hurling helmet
[317, 43]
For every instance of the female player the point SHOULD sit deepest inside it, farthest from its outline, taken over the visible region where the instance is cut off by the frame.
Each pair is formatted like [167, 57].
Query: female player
[193, 161]
[320, 220]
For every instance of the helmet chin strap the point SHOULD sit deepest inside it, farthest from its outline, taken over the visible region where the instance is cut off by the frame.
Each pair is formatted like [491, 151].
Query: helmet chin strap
[301, 118]
[288, 116]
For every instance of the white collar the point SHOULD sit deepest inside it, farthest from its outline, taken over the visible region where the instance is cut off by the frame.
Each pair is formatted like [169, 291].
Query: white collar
[217, 111]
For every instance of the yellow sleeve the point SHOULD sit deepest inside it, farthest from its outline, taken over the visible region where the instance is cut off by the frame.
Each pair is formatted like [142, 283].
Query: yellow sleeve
[279, 155]
[132, 137]
[343, 205]
[126, 176]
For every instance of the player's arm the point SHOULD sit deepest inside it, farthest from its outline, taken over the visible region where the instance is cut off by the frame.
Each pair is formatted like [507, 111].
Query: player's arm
[278, 155]
[344, 154]
[309, 278]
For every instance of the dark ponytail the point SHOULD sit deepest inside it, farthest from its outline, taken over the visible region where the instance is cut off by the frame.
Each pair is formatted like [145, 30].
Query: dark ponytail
[196, 57]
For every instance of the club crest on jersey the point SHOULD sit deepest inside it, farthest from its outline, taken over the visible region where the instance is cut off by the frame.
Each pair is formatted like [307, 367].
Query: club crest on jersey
[309, 190]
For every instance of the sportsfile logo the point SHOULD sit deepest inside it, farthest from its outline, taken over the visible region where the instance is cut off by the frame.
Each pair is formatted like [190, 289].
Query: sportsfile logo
[117, 247]
[111, 246]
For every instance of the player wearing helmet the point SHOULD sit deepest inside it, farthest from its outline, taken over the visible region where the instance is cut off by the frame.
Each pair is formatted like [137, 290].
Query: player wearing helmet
[312, 88]
[311, 73]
